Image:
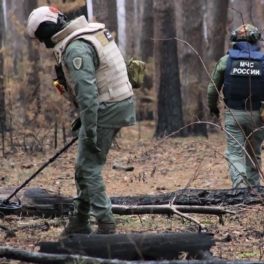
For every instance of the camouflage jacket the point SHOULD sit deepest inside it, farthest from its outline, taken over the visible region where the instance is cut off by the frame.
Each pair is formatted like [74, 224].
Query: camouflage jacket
[216, 83]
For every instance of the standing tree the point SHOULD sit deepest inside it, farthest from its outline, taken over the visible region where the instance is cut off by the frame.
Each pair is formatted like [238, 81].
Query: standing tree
[250, 11]
[166, 69]
[17, 53]
[193, 88]
[32, 91]
[139, 7]
[105, 11]
[217, 11]
[2, 87]
[14, 27]
[216, 36]
[239, 12]
[76, 12]
[112, 18]
[130, 28]
[146, 42]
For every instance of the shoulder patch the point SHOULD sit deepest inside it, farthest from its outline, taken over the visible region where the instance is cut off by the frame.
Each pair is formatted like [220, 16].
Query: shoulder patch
[108, 35]
[77, 63]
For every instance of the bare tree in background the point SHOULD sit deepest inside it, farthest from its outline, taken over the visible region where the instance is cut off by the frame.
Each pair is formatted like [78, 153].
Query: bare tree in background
[14, 37]
[32, 91]
[215, 24]
[147, 32]
[2, 86]
[166, 69]
[105, 11]
[139, 7]
[193, 88]
[74, 13]
[15, 55]
[217, 11]
[250, 10]
[130, 29]
[112, 18]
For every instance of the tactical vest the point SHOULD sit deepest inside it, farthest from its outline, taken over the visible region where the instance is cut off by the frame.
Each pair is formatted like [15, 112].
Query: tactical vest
[244, 77]
[111, 76]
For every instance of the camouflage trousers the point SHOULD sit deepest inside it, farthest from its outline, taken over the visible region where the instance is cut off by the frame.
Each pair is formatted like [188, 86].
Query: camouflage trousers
[91, 192]
[243, 167]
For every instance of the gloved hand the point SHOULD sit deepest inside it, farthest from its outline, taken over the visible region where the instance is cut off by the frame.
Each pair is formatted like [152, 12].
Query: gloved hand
[91, 145]
[214, 112]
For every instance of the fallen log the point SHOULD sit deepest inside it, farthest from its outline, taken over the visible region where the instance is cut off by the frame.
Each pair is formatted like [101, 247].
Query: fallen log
[37, 257]
[168, 209]
[39, 202]
[172, 210]
[144, 246]
[197, 197]
[45, 203]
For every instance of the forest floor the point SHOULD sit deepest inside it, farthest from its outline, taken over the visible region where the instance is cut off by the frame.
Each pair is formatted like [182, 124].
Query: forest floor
[160, 166]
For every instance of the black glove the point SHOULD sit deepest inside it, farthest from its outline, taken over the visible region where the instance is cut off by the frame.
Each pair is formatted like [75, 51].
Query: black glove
[214, 112]
[91, 145]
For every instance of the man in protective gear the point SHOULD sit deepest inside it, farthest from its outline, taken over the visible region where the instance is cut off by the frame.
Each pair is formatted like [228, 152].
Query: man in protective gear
[97, 83]
[241, 73]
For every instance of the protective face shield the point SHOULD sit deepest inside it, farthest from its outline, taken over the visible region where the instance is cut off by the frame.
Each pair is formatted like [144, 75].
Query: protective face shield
[44, 22]
[245, 32]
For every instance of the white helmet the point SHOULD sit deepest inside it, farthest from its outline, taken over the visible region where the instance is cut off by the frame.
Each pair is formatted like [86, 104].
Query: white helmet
[38, 16]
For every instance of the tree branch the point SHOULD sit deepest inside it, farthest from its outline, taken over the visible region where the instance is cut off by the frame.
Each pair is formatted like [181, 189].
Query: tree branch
[170, 209]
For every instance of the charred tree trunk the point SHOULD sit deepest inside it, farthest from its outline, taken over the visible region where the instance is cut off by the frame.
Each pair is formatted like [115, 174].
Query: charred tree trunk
[130, 28]
[41, 202]
[146, 96]
[146, 38]
[112, 18]
[198, 197]
[100, 11]
[167, 70]
[105, 11]
[134, 246]
[193, 88]
[215, 38]
[205, 257]
[38, 202]
[216, 30]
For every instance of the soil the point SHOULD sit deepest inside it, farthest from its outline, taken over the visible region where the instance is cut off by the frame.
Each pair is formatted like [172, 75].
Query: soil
[160, 166]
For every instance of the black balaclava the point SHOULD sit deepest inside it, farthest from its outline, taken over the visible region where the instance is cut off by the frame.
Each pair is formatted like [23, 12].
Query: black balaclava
[47, 29]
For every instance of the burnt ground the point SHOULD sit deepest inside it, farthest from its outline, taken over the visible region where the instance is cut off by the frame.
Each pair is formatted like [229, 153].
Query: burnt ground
[160, 166]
